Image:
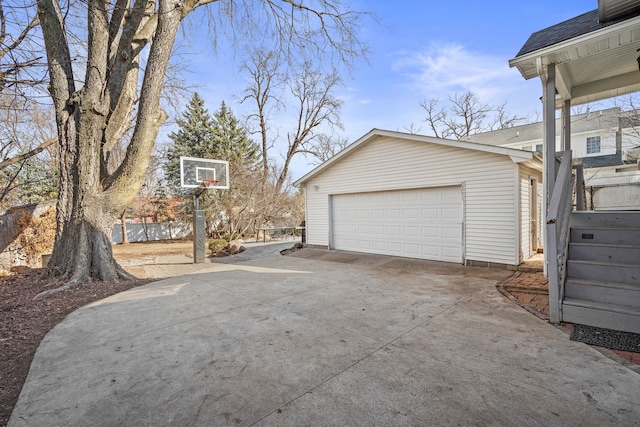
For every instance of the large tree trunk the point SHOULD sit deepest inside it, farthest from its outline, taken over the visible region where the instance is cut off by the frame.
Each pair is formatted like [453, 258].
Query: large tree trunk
[85, 211]
[91, 120]
[84, 251]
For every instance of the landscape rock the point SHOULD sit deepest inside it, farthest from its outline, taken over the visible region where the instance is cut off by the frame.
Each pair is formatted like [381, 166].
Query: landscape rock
[222, 253]
[296, 247]
[235, 247]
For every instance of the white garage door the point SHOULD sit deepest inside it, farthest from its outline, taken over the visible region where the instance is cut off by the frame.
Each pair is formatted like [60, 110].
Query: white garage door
[421, 223]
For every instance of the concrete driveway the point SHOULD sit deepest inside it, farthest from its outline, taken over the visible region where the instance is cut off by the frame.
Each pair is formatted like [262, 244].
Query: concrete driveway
[301, 340]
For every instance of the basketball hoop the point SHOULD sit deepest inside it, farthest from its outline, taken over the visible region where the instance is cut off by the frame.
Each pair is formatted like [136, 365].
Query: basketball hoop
[209, 182]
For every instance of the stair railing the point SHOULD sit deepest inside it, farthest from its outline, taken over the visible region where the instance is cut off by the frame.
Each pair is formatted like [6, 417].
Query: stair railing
[557, 230]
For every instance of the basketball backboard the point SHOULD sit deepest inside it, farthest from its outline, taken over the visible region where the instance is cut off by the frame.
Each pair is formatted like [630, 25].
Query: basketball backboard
[193, 171]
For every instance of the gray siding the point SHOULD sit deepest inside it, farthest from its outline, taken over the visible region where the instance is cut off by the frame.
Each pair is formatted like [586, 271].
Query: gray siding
[489, 190]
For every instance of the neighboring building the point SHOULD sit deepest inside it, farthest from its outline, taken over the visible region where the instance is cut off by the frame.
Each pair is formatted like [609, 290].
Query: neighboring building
[424, 197]
[606, 143]
[600, 138]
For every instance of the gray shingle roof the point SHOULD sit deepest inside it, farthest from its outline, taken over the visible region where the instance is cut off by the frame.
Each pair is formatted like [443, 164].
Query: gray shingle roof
[585, 122]
[569, 29]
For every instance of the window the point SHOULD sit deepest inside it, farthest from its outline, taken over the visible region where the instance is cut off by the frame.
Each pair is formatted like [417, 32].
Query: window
[593, 145]
[539, 148]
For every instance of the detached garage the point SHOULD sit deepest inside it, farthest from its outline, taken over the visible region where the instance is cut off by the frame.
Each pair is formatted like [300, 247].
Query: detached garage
[422, 197]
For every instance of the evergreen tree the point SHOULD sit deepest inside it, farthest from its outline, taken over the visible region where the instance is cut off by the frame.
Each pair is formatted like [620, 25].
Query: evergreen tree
[231, 141]
[29, 181]
[194, 138]
[219, 137]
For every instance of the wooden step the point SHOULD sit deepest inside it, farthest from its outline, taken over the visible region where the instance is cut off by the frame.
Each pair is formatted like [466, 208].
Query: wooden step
[605, 235]
[604, 271]
[627, 254]
[602, 315]
[627, 219]
[606, 292]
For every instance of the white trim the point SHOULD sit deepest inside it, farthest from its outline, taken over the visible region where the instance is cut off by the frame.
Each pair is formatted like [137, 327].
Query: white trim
[517, 202]
[541, 56]
[463, 197]
[330, 244]
[516, 155]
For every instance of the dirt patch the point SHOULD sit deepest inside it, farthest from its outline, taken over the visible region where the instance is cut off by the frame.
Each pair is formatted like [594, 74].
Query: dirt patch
[161, 247]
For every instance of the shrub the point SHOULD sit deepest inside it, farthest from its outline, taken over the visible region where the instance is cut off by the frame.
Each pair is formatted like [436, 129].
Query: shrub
[38, 234]
[216, 245]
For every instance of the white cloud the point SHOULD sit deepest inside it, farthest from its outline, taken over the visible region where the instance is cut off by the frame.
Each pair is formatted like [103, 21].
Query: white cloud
[443, 69]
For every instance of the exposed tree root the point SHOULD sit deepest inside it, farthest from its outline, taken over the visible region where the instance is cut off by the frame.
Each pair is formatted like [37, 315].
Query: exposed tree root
[68, 285]
[123, 276]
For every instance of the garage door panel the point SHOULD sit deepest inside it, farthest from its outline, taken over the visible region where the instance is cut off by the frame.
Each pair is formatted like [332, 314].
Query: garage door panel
[392, 197]
[451, 233]
[410, 196]
[393, 230]
[429, 196]
[430, 251]
[363, 214]
[422, 223]
[411, 232]
[377, 198]
[377, 230]
[451, 214]
[449, 193]
[364, 245]
[378, 246]
[451, 253]
[395, 247]
[364, 229]
[347, 214]
[412, 250]
[351, 228]
[430, 232]
[377, 214]
[410, 214]
[430, 213]
[394, 214]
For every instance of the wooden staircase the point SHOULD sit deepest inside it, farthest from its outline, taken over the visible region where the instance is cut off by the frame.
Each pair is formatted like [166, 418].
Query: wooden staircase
[602, 286]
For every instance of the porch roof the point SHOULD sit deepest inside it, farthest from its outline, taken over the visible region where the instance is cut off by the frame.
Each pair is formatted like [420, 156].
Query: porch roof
[595, 59]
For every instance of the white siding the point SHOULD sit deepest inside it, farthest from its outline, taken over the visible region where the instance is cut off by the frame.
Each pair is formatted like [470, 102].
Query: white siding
[489, 191]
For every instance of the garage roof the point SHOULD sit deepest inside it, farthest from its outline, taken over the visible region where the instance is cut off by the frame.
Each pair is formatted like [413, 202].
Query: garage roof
[516, 155]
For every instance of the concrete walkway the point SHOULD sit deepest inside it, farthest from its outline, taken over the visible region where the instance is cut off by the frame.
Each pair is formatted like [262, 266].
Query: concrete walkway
[304, 340]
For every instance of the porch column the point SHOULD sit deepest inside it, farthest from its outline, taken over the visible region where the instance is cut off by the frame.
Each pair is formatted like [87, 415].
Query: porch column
[548, 147]
[549, 136]
[566, 125]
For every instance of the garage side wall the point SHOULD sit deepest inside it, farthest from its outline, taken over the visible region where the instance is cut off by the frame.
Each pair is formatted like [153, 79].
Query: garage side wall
[489, 194]
[531, 218]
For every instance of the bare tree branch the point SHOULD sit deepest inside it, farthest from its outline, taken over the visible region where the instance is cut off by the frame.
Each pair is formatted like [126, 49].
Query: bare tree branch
[39, 149]
[316, 105]
[466, 115]
[266, 79]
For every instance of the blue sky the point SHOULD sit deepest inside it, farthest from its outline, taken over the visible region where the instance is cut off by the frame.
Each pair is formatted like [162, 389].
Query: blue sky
[421, 50]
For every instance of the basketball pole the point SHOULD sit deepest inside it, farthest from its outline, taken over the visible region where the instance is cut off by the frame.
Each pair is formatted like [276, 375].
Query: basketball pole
[199, 237]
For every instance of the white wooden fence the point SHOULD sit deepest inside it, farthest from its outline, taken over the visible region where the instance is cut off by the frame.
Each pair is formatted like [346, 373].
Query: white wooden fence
[152, 231]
